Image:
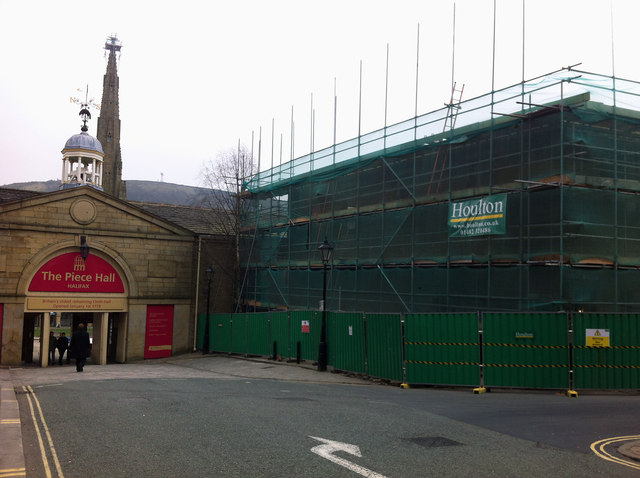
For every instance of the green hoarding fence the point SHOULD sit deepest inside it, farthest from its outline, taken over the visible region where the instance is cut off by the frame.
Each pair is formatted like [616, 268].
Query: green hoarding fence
[383, 335]
[346, 341]
[258, 334]
[305, 328]
[606, 351]
[442, 349]
[239, 334]
[280, 335]
[525, 350]
[520, 350]
[220, 332]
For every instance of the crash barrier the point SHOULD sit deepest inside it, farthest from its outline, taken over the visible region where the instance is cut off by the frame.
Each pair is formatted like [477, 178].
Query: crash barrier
[520, 350]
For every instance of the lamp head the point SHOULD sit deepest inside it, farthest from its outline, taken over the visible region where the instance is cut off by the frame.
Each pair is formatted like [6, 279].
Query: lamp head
[84, 248]
[326, 250]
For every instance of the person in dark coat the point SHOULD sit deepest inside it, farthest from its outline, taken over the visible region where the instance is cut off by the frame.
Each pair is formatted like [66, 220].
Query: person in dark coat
[62, 344]
[80, 346]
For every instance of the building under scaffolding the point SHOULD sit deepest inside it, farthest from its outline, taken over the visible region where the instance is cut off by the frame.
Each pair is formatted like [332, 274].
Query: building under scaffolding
[524, 199]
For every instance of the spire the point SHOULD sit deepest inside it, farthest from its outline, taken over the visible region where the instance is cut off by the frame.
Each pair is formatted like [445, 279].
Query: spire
[109, 122]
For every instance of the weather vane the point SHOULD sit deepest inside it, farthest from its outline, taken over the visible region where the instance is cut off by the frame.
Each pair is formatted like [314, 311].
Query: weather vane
[85, 114]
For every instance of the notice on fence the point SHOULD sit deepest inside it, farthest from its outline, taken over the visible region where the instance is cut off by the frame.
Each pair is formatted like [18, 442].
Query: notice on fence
[598, 338]
[305, 326]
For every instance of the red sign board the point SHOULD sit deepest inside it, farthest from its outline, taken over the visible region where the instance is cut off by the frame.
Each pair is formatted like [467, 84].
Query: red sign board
[159, 336]
[70, 273]
[0, 328]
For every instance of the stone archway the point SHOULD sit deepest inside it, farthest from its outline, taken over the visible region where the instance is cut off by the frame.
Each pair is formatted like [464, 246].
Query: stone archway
[95, 287]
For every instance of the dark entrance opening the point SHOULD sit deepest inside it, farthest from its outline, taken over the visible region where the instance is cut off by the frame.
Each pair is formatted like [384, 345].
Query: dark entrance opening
[28, 336]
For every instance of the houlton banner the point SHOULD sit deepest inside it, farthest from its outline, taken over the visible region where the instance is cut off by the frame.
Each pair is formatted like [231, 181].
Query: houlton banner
[70, 273]
[478, 217]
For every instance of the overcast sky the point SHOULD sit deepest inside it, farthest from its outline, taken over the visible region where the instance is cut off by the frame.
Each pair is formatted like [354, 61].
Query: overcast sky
[197, 76]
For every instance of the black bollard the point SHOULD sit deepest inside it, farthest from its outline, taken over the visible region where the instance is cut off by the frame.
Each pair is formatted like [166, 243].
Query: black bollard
[275, 350]
[298, 352]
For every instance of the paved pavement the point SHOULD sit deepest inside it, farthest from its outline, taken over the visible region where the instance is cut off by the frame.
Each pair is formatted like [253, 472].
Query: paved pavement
[193, 365]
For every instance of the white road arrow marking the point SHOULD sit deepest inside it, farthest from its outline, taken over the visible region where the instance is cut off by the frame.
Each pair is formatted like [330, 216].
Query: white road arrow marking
[330, 447]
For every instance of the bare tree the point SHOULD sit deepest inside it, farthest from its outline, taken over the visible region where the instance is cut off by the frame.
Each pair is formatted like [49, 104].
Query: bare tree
[225, 176]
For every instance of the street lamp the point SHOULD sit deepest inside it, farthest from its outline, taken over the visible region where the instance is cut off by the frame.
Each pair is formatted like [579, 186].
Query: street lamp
[205, 344]
[84, 248]
[325, 249]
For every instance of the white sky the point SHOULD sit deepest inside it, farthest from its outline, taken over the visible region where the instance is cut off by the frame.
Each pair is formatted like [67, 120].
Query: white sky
[197, 76]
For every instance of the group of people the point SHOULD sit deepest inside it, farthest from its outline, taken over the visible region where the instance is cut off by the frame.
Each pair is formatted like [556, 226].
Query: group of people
[61, 344]
[79, 347]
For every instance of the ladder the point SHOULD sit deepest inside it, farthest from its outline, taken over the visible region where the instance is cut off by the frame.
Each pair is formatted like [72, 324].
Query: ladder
[453, 107]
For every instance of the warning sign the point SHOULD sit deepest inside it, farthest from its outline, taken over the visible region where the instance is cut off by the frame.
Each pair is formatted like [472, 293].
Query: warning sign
[598, 338]
[305, 326]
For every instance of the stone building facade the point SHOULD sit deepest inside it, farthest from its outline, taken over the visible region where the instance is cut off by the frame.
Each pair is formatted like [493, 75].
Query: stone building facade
[154, 260]
[134, 272]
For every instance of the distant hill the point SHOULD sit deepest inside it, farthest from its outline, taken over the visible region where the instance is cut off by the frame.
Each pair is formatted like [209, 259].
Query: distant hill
[143, 191]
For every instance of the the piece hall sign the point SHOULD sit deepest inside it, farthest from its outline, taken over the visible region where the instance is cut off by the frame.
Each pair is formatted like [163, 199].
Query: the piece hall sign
[70, 273]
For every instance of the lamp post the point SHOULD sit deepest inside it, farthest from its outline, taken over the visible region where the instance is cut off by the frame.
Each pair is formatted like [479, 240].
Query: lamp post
[325, 249]
[205, 344]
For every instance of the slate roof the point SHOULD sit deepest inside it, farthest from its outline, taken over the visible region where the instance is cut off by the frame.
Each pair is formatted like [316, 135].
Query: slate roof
[196, 219]
[8, 194]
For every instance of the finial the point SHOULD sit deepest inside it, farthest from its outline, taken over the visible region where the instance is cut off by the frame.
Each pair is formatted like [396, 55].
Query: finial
[85, 114]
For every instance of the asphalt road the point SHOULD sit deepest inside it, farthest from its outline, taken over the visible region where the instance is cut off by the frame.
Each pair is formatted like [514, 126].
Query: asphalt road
[207, 417]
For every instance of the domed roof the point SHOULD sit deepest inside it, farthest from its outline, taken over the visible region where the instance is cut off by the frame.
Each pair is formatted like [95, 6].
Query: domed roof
[83, 141]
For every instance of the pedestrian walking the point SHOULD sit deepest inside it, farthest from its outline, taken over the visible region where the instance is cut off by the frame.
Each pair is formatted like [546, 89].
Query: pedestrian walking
[52, 348]
[80, 344]
[62, 344]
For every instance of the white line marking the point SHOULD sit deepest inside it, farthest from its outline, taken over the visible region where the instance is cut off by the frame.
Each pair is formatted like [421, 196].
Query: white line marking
[330, 447]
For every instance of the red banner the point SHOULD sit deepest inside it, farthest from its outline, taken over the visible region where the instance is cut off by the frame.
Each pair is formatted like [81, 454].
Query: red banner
[159, 337]
[69, 273]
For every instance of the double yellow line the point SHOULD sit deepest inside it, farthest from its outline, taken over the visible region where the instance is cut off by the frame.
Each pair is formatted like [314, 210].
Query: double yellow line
[11, 472]
[598, 449]
[33, 400]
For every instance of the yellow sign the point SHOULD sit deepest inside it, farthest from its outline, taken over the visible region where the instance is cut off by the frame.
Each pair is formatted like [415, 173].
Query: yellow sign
[75, 303]
[598, 338]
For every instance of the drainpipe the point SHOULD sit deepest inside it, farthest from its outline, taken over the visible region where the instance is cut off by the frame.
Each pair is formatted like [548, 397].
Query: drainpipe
[195, 313]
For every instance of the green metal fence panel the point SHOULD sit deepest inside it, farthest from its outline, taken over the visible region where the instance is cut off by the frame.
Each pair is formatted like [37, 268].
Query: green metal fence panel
[280, 334]
[305, 328]
[239, 334]
[346, 341]
[258, 334]
[384, 346]
[526, 350]
[220, 332]
[442, 349]
[606, 352]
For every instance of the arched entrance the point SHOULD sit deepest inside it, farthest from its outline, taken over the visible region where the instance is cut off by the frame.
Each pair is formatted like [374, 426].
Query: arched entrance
[70, 288]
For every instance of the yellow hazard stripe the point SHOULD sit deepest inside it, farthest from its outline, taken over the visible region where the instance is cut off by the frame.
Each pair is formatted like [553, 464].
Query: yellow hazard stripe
[616, 347]
[489, 344]
[523, 365]
[606, 366]
[424, 362]
[526, 346]
[442, 343]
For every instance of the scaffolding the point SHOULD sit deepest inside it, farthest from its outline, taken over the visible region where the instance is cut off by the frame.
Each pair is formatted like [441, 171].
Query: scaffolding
[562, 151]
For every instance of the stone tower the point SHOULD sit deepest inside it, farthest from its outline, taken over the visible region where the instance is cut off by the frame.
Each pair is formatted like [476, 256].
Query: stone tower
[109, 124]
